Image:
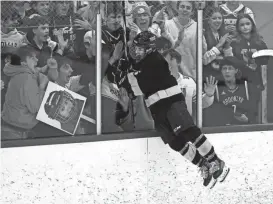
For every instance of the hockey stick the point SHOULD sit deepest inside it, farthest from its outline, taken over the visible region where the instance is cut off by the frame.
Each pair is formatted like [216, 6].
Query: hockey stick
[88, 119]
[261, 53]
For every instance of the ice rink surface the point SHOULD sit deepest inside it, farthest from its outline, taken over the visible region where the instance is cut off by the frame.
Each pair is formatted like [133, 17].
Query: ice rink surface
[121, 172]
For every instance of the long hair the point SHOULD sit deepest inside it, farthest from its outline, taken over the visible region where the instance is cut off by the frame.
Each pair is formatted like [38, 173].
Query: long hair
[255, 36]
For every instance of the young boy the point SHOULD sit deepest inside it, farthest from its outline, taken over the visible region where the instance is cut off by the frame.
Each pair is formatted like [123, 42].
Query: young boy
[167, 104]
[24, 95]
[38, 38]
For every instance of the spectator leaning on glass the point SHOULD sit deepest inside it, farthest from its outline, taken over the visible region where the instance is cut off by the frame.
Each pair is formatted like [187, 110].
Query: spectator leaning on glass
[109, 91]
[218, 45]
[24, 95]
[236, 100]
[247, 42]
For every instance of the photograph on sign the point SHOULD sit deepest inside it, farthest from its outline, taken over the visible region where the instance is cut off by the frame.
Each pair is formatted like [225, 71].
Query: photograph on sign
[61, 108]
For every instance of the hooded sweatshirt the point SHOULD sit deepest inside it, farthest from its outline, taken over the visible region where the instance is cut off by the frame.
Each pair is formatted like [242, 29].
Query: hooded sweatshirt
[9, 43]
[23, 98]
[42, 53]
[187, 46]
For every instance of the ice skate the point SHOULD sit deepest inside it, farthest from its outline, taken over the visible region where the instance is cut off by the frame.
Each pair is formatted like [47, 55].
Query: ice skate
[208, 180]
[219, 170]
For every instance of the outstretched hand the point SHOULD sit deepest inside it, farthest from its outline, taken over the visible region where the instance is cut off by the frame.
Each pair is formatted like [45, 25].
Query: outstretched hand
[210, 86]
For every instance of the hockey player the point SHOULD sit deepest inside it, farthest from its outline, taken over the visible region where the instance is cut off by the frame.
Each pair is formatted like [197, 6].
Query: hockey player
[167, 105]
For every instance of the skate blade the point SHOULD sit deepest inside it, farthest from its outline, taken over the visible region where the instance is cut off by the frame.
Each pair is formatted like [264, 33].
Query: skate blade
[212, 183]
[224, 174]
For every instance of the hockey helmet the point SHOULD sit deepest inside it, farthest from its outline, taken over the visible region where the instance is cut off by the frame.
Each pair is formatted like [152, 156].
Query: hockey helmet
[61, 106]
[146, 40]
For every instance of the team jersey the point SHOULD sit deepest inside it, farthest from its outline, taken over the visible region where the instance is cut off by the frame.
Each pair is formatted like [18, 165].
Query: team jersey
[244, 50]
[13, 39]
[230, 17]
[235, 99]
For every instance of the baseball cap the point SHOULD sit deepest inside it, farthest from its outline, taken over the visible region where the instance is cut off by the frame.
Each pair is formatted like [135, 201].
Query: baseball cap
[140, 8]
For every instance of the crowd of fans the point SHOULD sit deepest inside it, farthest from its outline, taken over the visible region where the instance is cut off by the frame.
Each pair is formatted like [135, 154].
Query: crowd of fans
[55, 41]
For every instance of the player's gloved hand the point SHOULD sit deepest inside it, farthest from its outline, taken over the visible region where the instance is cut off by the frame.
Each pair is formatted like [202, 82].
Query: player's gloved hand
[124, 99]
[117, 54]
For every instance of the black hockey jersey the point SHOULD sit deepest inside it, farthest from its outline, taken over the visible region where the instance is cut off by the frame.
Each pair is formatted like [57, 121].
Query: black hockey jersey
[153, 75]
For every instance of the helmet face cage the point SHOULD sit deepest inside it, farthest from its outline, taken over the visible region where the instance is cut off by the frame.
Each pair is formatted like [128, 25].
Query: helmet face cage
[65, 97]
[144, 40]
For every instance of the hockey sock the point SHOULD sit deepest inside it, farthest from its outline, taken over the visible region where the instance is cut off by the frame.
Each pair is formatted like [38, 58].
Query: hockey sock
[190, 153]
[205, 148]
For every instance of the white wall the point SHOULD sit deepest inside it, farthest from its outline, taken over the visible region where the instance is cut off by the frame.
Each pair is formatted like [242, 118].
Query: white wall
[121, 172]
